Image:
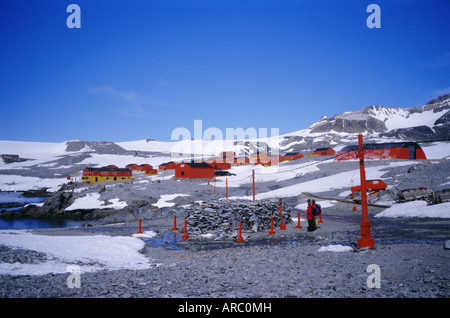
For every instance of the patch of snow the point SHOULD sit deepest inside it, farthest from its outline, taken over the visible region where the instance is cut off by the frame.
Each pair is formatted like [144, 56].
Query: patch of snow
[418, 209]
[335, 248]
[145, 234]
[162, 202]
[91, 253]
[92, 201]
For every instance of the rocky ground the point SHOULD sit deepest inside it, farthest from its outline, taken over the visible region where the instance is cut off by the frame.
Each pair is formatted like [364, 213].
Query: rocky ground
[409, 253]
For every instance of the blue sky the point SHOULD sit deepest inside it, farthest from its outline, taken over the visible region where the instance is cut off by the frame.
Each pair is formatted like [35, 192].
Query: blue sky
[140, 69]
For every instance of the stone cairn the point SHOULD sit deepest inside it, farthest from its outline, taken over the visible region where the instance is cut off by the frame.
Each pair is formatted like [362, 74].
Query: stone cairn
[222, 217]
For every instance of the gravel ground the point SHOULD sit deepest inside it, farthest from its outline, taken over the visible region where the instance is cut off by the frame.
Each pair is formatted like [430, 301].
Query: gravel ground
[410, 254]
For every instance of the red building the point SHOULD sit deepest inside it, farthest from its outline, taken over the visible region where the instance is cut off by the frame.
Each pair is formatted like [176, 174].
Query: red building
[221, 165]
[268, 161]
[145, 166]
[292, 156]
[149, 172]
[194, 170]
[324, 152]
[394, 150]
[241, 161]
[132, 166]
[168, 166]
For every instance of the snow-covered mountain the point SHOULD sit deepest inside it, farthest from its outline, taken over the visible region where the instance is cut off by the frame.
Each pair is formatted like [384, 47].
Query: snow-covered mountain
[376, 123]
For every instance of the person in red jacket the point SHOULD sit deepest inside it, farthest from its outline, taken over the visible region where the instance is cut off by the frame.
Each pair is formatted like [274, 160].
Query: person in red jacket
[311, 216]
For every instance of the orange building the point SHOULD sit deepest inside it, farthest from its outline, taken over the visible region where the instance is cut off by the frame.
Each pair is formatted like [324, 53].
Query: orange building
[194, 170]
[132, 166]
[324, 152]
[394, 150]
[167, 166]
[145, 166]
[221, 165]
[292, 156]
[149, 172]
[241, 161]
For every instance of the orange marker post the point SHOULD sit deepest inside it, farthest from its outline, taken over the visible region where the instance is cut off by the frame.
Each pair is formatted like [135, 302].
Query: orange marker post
[282, 225]
[226, 180]
[174, 223]
[298, 226]
[139, 231]
[271, 232]
[185, 236]
[240, 239]
[320, 218]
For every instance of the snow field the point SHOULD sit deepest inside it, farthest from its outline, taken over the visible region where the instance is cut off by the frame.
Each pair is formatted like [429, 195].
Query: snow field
[91, 253]
[92, 201]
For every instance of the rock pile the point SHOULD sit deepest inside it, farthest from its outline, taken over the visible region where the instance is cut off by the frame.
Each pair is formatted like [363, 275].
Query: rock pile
[223, 217]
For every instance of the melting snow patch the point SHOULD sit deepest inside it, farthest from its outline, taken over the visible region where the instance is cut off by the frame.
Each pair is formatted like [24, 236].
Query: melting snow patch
[145, 234]
[162, 202]
[418, 209]
[92, 201]
[91, 253]
[336, 248]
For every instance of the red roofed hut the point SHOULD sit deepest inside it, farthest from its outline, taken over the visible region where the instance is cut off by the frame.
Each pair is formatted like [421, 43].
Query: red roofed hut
[393, 150]
[292, 156]
[145, 166]
[194, 170]
[132, 166]
[241, 161]
[324, 152]
[221, 165]
[149, 172]
[268, 161]
[168, 166]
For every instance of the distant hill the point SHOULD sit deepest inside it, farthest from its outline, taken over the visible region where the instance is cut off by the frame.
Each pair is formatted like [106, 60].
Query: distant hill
[376, 123]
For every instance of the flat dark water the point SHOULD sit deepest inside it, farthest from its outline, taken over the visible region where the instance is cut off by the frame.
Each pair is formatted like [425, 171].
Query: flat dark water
[27, 223]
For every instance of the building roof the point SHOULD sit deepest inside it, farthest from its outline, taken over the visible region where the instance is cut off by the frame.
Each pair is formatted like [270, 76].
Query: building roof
[198, 165]
[107, 169]
[322, 149]
[166, 163]
[383, 146]
[293, 153]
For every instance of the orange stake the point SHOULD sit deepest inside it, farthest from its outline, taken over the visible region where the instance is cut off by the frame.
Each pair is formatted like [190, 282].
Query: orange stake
[298, 226]
[271, 232]
[365, 240]
[226, 187]
[139, 232]
[240, 239]
[174, 223]
[282, 225]
[185, 236]
[320, 218]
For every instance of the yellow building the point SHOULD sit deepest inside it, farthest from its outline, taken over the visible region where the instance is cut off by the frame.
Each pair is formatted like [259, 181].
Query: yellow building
[106, 174]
